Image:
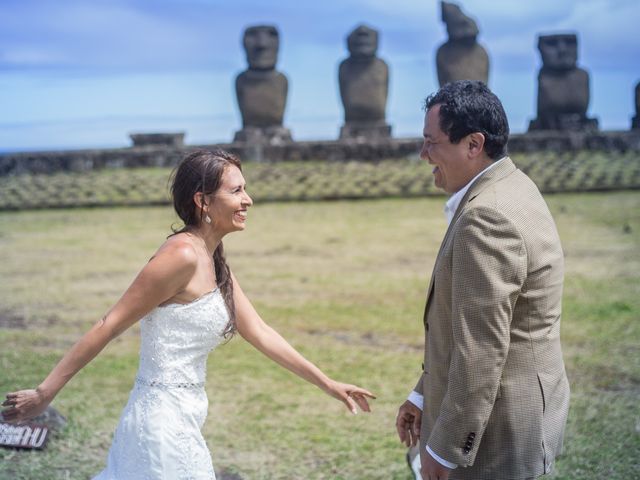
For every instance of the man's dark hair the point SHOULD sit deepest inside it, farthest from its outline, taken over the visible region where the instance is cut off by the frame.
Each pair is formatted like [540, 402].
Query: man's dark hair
[468, 106]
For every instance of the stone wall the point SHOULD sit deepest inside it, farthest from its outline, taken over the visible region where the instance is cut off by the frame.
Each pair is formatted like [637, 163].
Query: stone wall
[169, 155]
[570, 141]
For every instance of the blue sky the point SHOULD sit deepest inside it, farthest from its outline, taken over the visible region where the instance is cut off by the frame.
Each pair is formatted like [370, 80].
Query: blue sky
[85, 73]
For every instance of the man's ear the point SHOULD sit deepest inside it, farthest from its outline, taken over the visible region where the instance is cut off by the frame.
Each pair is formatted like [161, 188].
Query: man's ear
[476, 144]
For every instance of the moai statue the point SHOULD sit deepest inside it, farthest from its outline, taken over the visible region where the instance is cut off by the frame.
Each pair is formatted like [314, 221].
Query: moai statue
[635, 123]
[461, 57]
[563, 87]
[364, 85]
[261, 89]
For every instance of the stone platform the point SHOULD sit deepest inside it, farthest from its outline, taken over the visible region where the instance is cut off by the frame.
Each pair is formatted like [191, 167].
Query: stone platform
[154, 155]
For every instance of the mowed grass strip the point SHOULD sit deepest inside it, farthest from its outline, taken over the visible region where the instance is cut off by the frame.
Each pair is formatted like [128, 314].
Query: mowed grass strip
[345, 283]
[303, 181]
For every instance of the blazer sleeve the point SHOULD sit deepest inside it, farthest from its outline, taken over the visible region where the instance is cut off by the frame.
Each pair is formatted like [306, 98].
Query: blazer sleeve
[488, 268]
[419, 388]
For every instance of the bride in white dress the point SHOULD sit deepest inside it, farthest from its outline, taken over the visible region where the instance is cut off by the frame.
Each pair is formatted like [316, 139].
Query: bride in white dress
[187, 301]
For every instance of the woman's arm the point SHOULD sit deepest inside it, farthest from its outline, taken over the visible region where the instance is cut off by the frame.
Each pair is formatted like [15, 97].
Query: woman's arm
[163, 277]
[264, 338]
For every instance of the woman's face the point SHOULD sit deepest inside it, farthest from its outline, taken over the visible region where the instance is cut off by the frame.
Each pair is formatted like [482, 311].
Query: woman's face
[228, 206]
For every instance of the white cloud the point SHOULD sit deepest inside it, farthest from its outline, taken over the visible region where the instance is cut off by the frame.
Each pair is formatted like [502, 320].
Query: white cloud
[100, 34]
[608, 32]
[516, 10]
[36, 55]
[398, 7]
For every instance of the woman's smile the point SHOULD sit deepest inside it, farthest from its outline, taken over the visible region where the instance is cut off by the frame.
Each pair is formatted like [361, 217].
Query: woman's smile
[241, 215]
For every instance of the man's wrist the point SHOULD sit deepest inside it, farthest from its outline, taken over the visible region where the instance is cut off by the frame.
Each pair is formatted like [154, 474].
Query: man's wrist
[417, 399]
[441, 460]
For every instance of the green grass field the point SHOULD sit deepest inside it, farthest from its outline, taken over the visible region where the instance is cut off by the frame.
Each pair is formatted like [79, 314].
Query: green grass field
[345, 283]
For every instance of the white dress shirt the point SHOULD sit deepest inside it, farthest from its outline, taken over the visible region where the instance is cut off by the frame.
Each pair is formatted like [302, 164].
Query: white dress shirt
[449, 210]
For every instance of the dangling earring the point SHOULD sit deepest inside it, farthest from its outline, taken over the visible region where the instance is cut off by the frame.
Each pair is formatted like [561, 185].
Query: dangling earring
[207, 219]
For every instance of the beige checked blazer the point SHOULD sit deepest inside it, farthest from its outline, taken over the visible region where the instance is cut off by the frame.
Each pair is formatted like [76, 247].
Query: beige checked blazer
[496, 395]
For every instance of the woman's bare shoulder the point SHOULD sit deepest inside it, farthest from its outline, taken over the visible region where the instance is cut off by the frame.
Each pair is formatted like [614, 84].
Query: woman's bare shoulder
[178, 248]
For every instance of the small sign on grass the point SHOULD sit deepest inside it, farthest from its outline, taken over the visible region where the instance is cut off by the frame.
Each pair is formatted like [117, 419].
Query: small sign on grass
[30, 435]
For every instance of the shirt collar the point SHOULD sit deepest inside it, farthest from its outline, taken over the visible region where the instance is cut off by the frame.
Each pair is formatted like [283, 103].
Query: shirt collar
[454, 200]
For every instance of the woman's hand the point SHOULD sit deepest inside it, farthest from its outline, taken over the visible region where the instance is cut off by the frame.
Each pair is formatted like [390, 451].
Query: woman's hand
[269, 342]
[350, 395]
[166, 274]
[23, 405]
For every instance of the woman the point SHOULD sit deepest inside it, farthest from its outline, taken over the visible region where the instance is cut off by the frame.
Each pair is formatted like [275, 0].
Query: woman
[187, 301]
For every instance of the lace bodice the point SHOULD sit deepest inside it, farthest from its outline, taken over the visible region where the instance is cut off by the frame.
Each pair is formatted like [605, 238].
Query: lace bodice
[176, 339]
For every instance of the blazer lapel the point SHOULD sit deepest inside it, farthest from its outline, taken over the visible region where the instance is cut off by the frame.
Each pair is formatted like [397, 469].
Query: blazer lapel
[498, 172]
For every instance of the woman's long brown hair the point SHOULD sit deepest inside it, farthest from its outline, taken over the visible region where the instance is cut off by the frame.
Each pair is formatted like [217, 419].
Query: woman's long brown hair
[201, 171]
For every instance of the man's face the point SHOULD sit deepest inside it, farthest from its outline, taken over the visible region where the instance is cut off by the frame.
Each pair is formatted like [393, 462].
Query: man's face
[452, 167]
[261, 44]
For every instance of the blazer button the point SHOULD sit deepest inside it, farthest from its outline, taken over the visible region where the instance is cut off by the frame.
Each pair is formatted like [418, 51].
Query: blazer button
[426, 326]
[423, 367]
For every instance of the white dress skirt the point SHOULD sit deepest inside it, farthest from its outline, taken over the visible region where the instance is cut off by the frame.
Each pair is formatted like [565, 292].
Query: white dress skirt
[159, 434]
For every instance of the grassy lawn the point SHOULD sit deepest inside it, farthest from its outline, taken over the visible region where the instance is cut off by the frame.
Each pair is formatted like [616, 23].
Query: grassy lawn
[345, 283]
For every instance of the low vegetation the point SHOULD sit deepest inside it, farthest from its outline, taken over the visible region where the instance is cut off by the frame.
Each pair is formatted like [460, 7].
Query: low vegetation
[303, 181]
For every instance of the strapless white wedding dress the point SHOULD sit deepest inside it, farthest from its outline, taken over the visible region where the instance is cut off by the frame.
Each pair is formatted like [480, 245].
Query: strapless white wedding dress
[158, 436]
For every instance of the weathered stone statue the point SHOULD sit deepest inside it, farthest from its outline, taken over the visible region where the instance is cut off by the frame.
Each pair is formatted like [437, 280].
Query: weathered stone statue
[563, 87]
[364, 85]
[635, 123]
[261, 89]
[461, 57]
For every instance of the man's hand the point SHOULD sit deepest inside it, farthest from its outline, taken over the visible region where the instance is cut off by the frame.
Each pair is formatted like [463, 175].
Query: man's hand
[408, 423]
[431, 468]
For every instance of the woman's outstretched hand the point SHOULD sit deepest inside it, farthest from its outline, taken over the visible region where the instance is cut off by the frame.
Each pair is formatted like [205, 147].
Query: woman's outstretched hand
[23, 405]
[350, 395]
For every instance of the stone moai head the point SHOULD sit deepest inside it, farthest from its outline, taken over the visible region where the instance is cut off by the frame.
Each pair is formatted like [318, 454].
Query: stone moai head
[362, 42]
[459, 26]
[261, 43]
[559, 52]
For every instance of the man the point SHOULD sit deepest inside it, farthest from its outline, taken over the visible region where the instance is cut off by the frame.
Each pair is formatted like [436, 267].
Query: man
[492, 400]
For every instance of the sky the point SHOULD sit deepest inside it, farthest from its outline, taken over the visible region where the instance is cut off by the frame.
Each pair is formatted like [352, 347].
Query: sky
[86, 73]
